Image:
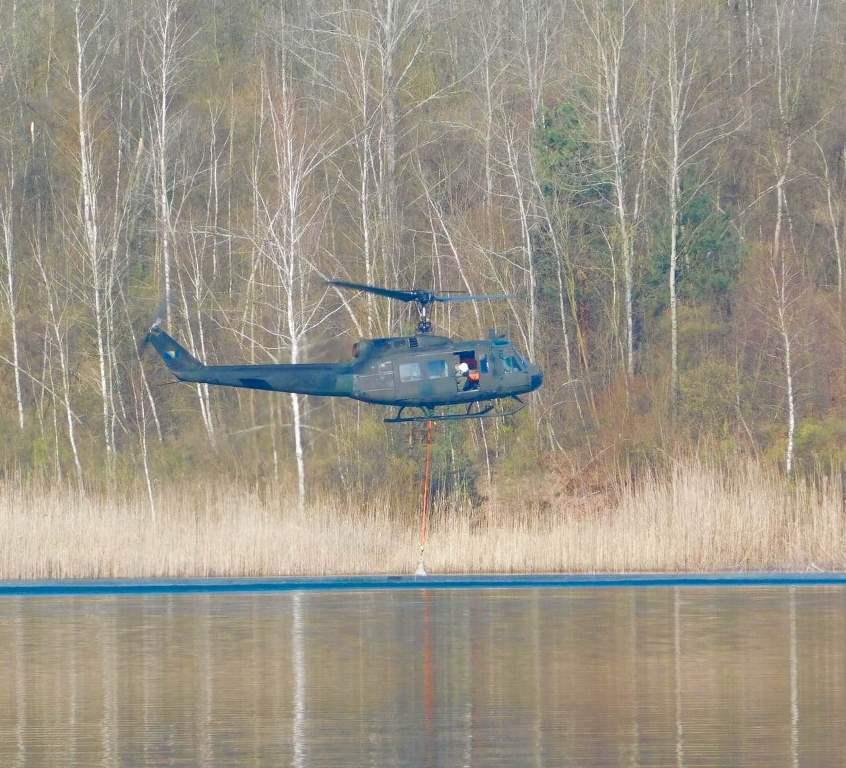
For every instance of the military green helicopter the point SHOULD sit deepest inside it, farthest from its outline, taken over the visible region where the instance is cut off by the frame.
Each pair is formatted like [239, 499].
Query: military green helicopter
[425, 372]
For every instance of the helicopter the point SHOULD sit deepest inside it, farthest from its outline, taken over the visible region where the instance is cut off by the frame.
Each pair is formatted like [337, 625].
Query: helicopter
[423, 372]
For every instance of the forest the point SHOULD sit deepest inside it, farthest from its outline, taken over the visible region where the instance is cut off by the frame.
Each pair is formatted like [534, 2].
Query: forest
[658, 183]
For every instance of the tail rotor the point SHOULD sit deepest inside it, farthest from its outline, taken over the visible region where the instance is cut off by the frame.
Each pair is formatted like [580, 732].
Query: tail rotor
[158, 319]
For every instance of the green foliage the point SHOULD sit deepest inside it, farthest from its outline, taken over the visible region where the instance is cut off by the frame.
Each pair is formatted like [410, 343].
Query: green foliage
[371, 460]
[709, 261]
[566, 161]
[454, 471]
[821, 441]
[576, 187]
[518, 450]
[708, 398]
[546, 271]
[422, 81]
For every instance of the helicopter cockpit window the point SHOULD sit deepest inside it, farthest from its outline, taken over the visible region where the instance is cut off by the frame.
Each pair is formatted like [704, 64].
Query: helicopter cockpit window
[436, 369]
[512, 363]
[410, 372]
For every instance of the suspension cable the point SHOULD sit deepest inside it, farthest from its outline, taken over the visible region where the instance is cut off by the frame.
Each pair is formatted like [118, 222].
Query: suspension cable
[426, 494]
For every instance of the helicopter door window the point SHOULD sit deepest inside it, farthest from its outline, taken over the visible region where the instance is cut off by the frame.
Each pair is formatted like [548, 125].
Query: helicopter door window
[410, 372]
[483, 364]
[436, 369]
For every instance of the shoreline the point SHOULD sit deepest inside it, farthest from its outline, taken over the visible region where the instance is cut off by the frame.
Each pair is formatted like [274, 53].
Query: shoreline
[81, 587]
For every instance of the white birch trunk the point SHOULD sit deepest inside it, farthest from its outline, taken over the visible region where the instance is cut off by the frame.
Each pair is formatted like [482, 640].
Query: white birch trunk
[298, 450]
[9, 245]
[89, 219]
[674, 319]
[294, 289]
[780, 279]
[676, 77]
[145, 462]
[626, 253]
[838, 245]
[791, 402]
[779, 259]
[164, 22]
[489, 123]
[200, 389]
[364, 194]
[610, 41]
[559, 261]
[522, 209]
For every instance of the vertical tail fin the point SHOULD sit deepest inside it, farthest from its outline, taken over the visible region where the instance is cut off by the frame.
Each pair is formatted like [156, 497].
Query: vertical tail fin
[178, 359]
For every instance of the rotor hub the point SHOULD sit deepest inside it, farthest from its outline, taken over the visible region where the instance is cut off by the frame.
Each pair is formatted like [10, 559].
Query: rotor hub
[424, 325]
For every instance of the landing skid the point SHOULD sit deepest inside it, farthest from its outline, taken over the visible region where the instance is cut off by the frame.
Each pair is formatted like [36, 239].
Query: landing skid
[431, 413]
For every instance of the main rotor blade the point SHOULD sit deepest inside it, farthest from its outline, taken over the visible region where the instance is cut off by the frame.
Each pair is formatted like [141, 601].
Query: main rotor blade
[472, 296]
[379, 290]
[417, 294]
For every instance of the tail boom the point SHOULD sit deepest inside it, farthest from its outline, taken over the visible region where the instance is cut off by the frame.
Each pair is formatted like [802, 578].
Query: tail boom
[329, 379]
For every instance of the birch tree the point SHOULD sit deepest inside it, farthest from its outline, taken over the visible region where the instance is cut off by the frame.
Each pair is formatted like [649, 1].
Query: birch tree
[782, 281]
[9, 201]
[9, 287]
[290, 208]
[161, 59]
[681, 65]
[789, 71]
[607, 25]
[691, 131]
[393, 23]
[353, 32]
[90, 60]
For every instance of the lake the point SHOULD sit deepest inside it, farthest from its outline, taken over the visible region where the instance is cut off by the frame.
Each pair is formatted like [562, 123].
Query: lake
[629, 676]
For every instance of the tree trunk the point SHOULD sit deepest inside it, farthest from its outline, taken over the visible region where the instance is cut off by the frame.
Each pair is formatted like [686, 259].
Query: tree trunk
[674, 320]
[8, 242]
[780, 279]
[89, 220]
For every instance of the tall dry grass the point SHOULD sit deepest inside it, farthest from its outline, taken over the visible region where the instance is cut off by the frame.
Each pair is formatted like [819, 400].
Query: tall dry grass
[700, 517]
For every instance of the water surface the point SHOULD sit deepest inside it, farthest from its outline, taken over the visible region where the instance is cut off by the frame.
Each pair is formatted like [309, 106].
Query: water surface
[695, 676]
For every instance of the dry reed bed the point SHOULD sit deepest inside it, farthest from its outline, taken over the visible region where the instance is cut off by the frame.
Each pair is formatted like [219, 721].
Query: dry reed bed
[699, 518]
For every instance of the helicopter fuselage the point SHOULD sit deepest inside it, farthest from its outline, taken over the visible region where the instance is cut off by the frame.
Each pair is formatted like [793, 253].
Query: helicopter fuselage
[406, 371]
[421, 371]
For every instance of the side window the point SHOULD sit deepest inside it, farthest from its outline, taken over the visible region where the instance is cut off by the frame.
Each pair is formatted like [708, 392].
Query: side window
[386, 373]
[410, 372]
[512, 364]
[483, 363]
[436, 369]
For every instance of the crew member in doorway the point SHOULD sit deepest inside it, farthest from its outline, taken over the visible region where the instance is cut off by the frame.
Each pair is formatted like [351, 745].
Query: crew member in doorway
[462, 371]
